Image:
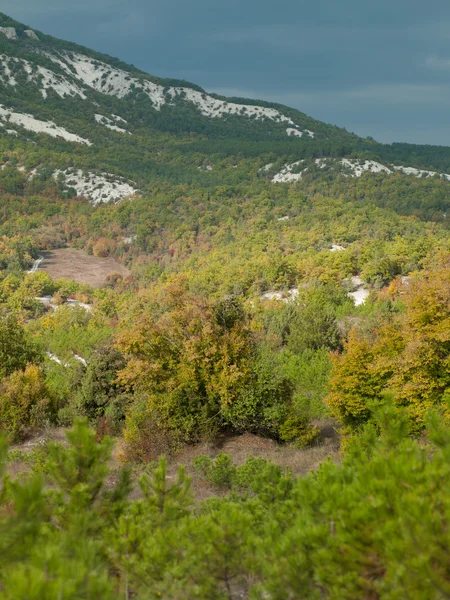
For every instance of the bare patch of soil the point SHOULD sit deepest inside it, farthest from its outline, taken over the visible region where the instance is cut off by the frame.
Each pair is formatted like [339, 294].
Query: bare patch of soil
[69, 263]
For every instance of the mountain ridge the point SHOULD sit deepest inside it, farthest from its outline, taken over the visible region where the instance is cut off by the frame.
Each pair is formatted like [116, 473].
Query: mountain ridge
[95, 118]
[40, 49]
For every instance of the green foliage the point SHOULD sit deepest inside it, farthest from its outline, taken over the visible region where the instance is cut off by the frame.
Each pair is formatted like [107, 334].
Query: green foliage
[256, 477]
[220, 472]
[198, 366]
[36, 459]
[51, 546]
[84, 464]
[310, 323]
[309, 373]
[168, 501]
[72, 330]
[24, 401]
[100, 395]
[372, 526]
[16, 347]
[191, 344]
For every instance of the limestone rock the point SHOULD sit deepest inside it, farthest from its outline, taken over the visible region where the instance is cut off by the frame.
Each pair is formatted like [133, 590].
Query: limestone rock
[9, 32]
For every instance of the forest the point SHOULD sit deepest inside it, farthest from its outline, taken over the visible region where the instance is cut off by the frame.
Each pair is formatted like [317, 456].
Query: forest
[205, 340]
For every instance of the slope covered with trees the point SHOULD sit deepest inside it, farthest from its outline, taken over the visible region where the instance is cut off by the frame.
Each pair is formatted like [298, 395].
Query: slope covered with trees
[276, 287]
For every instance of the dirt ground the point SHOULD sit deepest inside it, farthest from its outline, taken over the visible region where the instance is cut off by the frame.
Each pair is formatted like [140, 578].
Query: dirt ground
[299, 461]
[76, 264]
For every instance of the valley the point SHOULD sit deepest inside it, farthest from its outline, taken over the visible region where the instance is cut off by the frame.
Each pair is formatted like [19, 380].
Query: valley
[224, 343]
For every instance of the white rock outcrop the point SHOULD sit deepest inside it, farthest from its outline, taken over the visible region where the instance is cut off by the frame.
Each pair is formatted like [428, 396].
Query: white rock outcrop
[421, 173]
[358, 167]
[359, 294]
[286, 175]
[37, 126]
[77, 71]
[31, 34]
[109, 123]
[9, 32]
[97, 188]
[110, 80]
[351, 167]
[298, 133]
[41, 76]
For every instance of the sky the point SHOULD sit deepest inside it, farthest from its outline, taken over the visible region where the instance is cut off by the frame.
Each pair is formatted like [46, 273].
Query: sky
[376, 68]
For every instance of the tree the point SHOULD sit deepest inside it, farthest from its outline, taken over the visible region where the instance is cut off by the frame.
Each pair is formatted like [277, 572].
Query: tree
[53, 540]
[100, 394]
[24, 401]
[311, 322]
[407, 354]
[199, 368]
[16, 348]
[190, 363]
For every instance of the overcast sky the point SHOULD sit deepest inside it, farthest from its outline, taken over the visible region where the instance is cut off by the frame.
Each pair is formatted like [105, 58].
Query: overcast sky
[377, 68]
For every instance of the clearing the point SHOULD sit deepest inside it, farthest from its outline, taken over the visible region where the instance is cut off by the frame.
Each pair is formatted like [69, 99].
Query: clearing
[29, 456]
[76, 264]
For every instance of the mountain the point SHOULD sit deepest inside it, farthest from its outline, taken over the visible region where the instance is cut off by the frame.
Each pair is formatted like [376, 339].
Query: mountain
[104, 129]
[54, 70]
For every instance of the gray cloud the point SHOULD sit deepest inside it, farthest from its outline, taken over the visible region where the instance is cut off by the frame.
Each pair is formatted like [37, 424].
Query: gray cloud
[379, 69]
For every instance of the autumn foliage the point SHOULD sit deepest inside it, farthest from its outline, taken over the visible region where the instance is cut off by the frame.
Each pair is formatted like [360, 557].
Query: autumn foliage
[196, 365]
[407, 354]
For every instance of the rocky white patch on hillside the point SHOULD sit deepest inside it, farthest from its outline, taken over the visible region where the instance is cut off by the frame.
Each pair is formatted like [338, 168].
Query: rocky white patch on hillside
[9, 32]
[31, 34]
[104, 78]
[97, 188]
[359, 294]
[349, 167]
[286, 175]
[421, 173]
[109, 123]
[43, 78]
[298, 133]
[288, 296]
[74, 73]
[30, 123]
[213, 107]
[357, 167]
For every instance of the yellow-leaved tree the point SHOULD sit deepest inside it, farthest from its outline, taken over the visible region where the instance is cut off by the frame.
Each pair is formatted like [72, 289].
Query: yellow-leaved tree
[408, 354]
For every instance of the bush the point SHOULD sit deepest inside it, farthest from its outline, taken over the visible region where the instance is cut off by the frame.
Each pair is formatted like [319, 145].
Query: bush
[407, 355]
[146, 435]
[200, 368]
[220, 472]
[298, 431]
